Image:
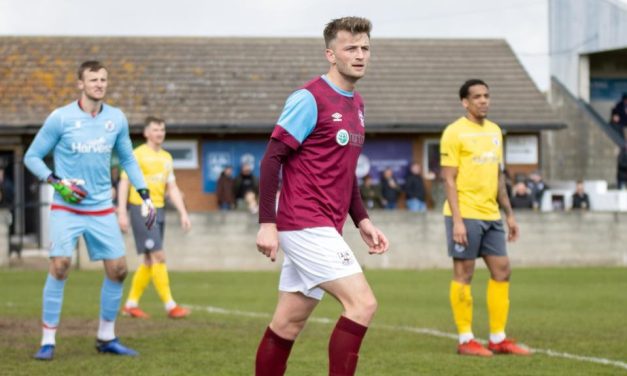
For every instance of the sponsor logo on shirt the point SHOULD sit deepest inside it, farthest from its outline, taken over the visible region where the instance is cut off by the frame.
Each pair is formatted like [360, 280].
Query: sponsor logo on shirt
[109, 126]
[485, 158]
[345, 257]
[342, 137]
[98, 145]
[337, 116]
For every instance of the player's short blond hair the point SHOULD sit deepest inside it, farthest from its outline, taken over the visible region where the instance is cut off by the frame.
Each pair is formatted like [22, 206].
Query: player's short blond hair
[354, 25]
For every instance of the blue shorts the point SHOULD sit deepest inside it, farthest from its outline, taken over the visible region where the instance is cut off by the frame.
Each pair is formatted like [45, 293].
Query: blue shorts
[101, 232]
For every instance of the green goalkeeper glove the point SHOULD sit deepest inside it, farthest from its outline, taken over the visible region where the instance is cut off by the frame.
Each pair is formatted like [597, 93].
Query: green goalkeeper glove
[69, 189]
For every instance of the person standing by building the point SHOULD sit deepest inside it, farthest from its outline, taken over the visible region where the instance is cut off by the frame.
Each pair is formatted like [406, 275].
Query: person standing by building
[82, 136]
[415, 189]
[156, 165]
[471, 156]
[316, 142]
[225, 191]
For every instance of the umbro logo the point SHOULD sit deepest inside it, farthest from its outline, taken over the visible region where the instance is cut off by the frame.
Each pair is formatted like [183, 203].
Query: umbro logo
[337, 116]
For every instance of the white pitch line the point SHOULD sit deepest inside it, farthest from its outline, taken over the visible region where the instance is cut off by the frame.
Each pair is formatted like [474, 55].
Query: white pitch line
[410, 329]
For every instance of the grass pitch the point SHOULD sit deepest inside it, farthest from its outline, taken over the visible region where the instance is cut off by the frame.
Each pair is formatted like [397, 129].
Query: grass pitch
[575, 312]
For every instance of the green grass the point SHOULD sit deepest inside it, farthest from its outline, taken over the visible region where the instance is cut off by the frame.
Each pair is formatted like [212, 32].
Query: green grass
[577, 311]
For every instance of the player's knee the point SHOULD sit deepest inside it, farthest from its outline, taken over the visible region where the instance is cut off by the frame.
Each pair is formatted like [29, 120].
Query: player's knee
[60, 269]
[119, 273]
[288, 328]
[369, 307]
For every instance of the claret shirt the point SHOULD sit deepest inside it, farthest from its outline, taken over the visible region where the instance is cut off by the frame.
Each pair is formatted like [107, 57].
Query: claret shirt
[325, 127]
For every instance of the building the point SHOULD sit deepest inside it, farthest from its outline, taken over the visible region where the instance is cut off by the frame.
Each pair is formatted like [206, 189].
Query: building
[588, 54]
[221, 97]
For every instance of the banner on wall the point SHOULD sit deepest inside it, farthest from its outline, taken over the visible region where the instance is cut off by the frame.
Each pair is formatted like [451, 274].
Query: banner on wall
[218, 154]
[607, 89]
[377, 155]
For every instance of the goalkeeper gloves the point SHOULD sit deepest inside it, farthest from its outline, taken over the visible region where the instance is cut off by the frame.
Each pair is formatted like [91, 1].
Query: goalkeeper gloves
[69, 189]
[148, 209]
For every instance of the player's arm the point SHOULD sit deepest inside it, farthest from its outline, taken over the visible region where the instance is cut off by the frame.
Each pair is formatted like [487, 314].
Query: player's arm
[123, 190]
[45, 140]
[375, 239]
[295, 124]
[449, 161]
[177, 200]
[506, 206]
[128, 162]
[267, 238]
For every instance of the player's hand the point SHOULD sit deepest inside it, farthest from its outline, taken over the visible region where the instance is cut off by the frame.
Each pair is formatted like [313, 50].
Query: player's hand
[459, 233]
[186, 224]
[69, 189]
[148, 209]
[123, 220]
[373, 237]
[268, 240]
[513, 232]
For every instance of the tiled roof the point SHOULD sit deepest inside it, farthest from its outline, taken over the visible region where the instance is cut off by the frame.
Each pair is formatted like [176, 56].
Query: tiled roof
[231, 84]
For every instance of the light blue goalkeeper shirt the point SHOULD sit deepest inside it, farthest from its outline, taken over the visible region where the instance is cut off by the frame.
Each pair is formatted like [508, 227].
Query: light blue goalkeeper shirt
[82, 146]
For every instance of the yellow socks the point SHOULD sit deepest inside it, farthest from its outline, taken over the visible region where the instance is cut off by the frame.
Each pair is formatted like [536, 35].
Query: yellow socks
[498, 307]
[162, 282]
[141, 279]
[461, 303]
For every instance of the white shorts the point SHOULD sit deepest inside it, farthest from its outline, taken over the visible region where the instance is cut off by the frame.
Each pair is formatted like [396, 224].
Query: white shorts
[313, 256]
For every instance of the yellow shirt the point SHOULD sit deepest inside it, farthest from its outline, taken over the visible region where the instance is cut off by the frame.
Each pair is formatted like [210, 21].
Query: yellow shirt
[158, 171]
[477, 152]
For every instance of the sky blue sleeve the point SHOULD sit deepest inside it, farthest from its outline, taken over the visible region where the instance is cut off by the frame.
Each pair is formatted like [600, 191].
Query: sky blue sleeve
[300, 115]
[45, 140]
[124, 148]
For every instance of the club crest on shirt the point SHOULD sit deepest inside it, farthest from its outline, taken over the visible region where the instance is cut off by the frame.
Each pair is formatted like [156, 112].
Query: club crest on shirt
[361, 118]
[345, 257]
[495, 141]
[109, 126]
[337, 116]
[342, 137]
[77, 124]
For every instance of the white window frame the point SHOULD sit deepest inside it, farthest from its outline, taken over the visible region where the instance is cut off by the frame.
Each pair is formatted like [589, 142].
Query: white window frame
[184, 164]
[425, 153]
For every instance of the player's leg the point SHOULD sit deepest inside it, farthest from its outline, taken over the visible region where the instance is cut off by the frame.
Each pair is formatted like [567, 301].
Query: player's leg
[460, 292]
[161, 281]
[290, 316]
[495, 256]
[64, 231]
[144, 243]
[104, 242]
[359, 306]
[141, 279]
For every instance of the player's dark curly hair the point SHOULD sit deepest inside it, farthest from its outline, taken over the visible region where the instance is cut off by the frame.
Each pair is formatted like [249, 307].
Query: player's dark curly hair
[354, 25]
[89, 65]
[463, 91]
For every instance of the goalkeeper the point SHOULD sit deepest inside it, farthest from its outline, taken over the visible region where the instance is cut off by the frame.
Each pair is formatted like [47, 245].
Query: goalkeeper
[81, 136]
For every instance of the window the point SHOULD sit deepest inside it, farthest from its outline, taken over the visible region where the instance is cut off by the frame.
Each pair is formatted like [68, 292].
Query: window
[431, 156]
[184, 153]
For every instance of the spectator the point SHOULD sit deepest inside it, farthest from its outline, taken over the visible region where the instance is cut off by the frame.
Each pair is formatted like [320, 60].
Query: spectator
[7, 191]
[389, 189]
[415, 189]
[619, 116]
[226, 189]
[580, 198]
[621, 168]
[521, 198]
[247, 189]
[371, 194]
[536, 187]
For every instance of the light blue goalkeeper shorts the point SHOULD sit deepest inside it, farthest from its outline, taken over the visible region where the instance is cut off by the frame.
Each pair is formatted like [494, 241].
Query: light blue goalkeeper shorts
[101, 233]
